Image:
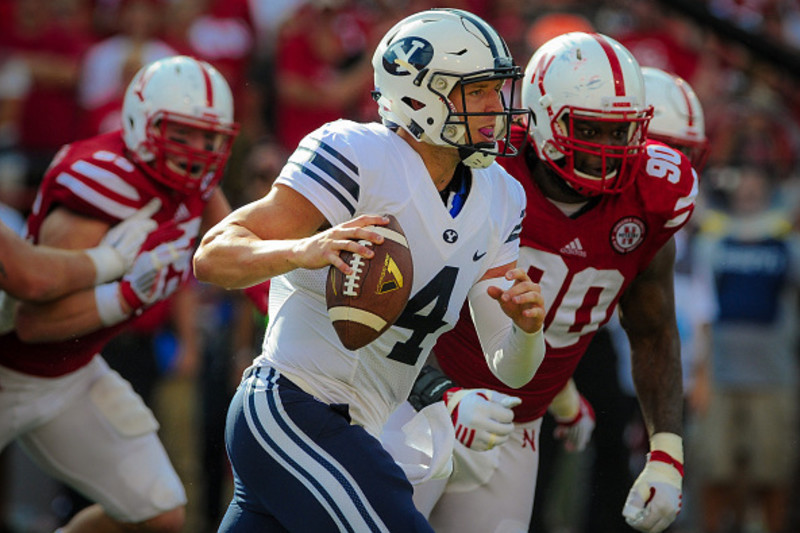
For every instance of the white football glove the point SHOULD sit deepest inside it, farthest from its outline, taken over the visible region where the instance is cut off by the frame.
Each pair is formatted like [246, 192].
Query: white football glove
[147, 278]
[482, 418]
[577, 430]
[117, 251]
[142, 286]
[655, 498]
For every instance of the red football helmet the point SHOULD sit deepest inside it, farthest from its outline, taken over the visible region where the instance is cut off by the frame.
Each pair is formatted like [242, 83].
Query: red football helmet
[589, 77]
[179, 94]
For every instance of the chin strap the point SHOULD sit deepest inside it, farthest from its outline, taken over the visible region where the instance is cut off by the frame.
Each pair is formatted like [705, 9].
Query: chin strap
[477, 159]
[473, 158]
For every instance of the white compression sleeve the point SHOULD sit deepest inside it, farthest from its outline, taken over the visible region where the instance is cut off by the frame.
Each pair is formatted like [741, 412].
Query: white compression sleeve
[512, 354]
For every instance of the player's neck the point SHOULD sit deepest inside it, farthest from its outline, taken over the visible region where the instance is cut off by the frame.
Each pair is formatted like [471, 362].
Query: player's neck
[554, 187]
[441, 161]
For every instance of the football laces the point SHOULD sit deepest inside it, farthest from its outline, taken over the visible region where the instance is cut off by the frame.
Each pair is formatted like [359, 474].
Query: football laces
[351, 281]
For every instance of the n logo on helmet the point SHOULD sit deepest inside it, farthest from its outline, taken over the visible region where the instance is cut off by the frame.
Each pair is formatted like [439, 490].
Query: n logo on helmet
[407, 52]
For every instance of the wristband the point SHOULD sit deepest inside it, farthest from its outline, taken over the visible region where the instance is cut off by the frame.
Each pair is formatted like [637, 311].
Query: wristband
[664, 457]
[109, 307]
[107, 263]
[429, 387]
[667, 448]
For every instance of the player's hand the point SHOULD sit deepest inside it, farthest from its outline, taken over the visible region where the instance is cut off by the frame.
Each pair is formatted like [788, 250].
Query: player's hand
[146, 282]
[655, 498]
[117, 251]
[323, 249]
[522, 302]
[482, 418]
[576, 431]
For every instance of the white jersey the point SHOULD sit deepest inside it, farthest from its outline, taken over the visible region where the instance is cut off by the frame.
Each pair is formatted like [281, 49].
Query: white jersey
[348, 169]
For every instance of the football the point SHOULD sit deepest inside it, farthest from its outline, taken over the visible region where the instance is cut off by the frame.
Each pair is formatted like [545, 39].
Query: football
[367, 302]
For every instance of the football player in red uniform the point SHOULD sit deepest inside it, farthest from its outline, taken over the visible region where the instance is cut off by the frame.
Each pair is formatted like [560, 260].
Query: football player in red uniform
[77, 418]
[603, 205]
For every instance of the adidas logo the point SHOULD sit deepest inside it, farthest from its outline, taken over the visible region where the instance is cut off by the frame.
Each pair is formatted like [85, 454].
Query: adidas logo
[182, 213]
[574, 248]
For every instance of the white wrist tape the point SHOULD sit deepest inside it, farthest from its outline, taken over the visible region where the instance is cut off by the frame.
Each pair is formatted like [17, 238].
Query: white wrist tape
[108, 265]
[512, 354]
[567, 403]
[669, 443]
[109, 307]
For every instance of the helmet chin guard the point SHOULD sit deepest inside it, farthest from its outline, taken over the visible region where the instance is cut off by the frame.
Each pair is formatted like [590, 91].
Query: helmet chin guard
[422, 59]
[179, 93]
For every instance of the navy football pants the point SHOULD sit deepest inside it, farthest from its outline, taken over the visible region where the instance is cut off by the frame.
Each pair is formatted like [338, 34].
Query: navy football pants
[300, 466]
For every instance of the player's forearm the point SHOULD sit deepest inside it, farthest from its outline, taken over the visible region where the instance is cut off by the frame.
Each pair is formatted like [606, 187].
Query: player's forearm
[234, 258]
[513, 355]
[42, 273]
[567, 402]
[657, 376]
[69, 317]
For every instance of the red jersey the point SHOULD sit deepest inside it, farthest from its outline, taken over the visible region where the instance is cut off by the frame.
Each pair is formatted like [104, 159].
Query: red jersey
[94, 177]
[583, 263]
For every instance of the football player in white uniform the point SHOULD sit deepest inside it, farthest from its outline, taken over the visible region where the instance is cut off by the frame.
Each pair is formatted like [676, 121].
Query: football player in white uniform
[59, 399]
[603, 205]
[302, 429]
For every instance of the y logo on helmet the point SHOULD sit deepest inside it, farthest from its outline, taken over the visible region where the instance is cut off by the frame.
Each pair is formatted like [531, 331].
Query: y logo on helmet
[407, 52]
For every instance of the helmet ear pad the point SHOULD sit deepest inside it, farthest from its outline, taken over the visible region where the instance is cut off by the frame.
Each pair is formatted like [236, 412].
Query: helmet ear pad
[179, 94]
[422, 59]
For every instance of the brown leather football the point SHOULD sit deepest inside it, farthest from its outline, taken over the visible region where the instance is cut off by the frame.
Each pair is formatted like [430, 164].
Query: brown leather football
[366, 303]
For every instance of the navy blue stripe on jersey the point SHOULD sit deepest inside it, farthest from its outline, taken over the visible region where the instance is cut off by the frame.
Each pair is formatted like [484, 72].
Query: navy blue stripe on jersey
[338, 155]
[515, 233]
[300, 455]
[322, 181]
[339, 175]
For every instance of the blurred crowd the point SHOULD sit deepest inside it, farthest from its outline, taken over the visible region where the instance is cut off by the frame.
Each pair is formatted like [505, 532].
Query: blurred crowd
[296, 64]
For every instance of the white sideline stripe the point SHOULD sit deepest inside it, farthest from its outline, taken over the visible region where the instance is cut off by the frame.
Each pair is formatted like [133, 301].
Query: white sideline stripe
[308, 467]
[343, 312]
[389, 234]
[93, 197]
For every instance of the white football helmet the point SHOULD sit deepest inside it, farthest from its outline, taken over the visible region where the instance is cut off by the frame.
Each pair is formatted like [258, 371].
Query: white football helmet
[419, 62]
[186, 92]
[586, 76]
[677, 115]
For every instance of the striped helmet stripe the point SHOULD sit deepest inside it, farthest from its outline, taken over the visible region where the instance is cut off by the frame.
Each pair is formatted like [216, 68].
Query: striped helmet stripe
[613, 60]
[209, 86]
[497, 45]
